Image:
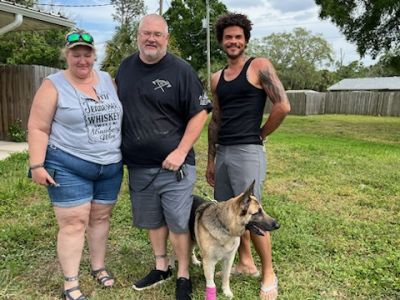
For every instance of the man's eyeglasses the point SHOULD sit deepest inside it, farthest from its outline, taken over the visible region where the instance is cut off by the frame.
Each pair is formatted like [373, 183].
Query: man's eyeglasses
[75, 37]
[148, 34]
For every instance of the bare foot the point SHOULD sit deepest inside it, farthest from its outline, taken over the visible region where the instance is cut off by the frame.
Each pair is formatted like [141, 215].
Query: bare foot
[244, 270]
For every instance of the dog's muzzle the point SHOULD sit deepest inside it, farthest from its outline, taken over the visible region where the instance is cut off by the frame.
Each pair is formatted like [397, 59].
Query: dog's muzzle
[260, 227]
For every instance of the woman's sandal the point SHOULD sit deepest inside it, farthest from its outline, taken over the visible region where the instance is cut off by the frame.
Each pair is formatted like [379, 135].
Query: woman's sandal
[102, 279]
[67, 294]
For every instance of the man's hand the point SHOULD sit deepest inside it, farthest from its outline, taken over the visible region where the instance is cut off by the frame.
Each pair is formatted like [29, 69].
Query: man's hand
[174, 160]
[210, 173]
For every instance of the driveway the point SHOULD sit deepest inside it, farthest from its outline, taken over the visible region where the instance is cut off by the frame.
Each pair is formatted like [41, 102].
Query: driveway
[6, 148]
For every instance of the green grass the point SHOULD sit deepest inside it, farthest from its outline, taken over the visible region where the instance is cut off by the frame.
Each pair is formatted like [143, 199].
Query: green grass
[333, 183]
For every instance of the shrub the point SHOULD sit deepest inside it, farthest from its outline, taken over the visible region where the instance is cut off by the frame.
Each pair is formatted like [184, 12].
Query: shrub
[16, 132]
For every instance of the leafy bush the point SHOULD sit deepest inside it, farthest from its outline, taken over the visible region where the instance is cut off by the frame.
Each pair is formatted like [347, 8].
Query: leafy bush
[16, 132]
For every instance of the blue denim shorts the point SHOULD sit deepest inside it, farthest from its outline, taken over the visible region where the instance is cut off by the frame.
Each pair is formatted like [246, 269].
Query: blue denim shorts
[80, 181]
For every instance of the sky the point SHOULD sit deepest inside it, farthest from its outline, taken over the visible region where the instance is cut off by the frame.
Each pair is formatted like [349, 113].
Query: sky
[267, 16]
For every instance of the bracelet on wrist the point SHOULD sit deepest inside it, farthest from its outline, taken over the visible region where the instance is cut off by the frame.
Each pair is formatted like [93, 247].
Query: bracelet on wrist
[36, 166]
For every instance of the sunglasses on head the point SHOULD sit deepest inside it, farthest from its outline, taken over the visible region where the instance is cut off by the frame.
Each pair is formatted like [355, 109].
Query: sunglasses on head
[79, 37]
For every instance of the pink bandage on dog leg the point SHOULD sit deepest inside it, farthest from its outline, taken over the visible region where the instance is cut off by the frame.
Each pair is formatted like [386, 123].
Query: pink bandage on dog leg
[211, 293]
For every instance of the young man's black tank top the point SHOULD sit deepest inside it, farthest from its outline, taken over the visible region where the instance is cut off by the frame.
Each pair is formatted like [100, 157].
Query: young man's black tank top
[241, 107]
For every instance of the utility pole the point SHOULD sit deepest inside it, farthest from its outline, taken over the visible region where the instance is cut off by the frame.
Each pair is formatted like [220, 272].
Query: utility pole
[208, 46]
[161, 4]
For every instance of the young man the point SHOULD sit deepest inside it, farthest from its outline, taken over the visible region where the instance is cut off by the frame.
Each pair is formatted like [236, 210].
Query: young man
[235, 150]
[165, 109]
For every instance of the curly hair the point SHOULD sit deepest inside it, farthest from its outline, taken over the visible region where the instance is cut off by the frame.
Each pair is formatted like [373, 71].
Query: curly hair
[233, 19]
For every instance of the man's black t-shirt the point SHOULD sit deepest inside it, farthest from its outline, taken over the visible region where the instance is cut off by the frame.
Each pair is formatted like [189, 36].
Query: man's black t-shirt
[158, 101]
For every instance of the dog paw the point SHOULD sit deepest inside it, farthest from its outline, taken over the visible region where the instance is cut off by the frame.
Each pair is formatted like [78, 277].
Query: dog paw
[228, 293]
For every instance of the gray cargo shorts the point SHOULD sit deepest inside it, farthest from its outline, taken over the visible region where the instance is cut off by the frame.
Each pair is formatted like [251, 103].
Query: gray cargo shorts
[236, 167]
[165, 201]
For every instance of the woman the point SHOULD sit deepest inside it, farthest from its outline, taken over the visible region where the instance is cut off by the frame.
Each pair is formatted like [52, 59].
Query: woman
[74, 139]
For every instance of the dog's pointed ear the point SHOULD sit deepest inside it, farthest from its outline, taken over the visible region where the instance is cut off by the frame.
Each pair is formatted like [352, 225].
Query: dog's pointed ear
[250, 189]
[245, 198]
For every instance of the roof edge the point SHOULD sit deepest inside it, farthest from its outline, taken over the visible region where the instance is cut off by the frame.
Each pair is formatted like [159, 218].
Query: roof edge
[35, 14]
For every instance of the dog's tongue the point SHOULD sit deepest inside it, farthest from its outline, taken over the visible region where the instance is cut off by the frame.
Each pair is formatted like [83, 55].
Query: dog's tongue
[254, 229]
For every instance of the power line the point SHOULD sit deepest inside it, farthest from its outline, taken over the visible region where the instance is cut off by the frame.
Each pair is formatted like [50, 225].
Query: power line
[66, 5]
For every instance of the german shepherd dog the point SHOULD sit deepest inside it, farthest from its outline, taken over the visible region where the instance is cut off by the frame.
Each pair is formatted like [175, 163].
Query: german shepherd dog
[217, 229]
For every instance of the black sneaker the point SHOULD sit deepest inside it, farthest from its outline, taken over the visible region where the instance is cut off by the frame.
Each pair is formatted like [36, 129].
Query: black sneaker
[183, 289]
[152, 279]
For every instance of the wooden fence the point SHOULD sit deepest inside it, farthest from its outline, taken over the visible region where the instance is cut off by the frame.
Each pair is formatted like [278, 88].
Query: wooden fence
[18, 84]
[363, 103]
[382, 103]
[305, 103]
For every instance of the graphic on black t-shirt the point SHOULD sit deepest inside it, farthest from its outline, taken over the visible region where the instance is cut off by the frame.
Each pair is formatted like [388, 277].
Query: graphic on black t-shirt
[204, 100]
[161, 84]
[101, 117]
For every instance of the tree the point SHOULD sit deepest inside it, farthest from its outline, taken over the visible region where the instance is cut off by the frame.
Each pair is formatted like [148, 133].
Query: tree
[298, 57]
[128, 12]
[123, 42]
[373, 25]
[185, 19]
[355, 69]
[120, 46]
[43, 48]
[389, 64]
[40, 48]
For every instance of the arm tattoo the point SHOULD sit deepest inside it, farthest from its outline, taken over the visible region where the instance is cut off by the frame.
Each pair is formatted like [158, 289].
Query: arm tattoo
[213, 128]
[272, 85]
